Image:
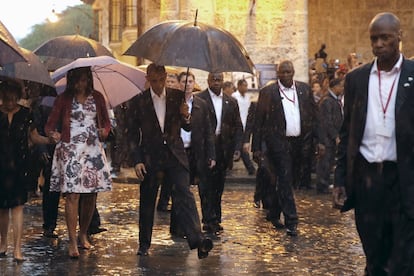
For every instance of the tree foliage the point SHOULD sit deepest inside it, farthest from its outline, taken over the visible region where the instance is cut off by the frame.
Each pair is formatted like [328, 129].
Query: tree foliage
[74, 20]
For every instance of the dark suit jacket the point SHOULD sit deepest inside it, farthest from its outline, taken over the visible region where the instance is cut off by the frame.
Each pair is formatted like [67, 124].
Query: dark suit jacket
[355, 114]
[248, 131]
[202, 134]
[145, 135]
[330, 120]
[231, 126]
[270, 122]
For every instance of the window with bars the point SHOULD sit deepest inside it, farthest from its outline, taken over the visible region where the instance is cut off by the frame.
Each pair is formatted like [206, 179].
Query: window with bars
[123, 14]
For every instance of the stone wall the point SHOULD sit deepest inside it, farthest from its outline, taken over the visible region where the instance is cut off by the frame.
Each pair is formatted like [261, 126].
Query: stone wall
[343, 26]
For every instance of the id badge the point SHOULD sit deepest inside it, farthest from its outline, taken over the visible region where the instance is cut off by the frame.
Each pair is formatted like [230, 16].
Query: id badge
[384, 128]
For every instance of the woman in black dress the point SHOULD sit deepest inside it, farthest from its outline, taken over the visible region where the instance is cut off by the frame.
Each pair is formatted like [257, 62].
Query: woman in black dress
[16, 128]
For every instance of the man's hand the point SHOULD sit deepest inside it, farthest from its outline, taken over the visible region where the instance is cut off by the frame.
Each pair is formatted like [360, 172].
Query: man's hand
[184, 111]
[140, 171]
[54, 137]
[246, 147]
[211, 164]
[236, 155]
[257, 156]
[339, 196]
[321, 149]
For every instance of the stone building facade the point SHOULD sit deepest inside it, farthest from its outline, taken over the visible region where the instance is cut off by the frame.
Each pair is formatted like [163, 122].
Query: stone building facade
[270, 30]
[343, 26]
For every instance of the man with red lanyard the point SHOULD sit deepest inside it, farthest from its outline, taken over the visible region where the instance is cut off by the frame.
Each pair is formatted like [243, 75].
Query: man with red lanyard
[285, 125]
[375, 168]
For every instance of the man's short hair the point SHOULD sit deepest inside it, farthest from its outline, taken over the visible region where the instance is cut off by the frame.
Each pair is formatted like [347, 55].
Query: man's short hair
[227, 84]
[184, 74]
[154, 68]
[241, 81]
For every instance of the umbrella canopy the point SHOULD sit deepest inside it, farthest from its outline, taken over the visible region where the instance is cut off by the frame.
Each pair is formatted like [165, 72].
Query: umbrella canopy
[62, 50]
[186, 44]
[117, 81]
[30, 71]
[9, 49]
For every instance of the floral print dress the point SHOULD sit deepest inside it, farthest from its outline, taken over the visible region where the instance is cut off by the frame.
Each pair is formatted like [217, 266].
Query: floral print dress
[80, 166]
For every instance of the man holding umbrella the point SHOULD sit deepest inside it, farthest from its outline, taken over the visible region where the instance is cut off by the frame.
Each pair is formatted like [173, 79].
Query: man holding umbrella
[156, 118]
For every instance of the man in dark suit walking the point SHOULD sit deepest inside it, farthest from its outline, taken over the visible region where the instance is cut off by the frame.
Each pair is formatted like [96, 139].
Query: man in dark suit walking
[284, 125]
[156, 118]
[199, 146]
[376, 151]
[330, 122]
[225, 119]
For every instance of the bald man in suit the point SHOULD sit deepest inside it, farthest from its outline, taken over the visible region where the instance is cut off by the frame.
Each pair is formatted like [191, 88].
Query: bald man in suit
[375, 168]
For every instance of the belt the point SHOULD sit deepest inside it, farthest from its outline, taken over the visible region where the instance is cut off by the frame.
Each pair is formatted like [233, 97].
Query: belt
[378, 167]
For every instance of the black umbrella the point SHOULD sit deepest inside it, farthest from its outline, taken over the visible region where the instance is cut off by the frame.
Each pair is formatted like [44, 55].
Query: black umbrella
[61, 50]
[9, 49]
[33, 72]
[196, 45]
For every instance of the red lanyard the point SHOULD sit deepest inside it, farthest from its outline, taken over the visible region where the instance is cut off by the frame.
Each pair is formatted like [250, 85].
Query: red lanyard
[384, 108]
[290, 100]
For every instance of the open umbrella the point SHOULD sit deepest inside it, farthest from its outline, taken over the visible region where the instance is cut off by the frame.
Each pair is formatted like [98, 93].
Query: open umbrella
[32, 72]
[61, 50]
[9, 49]
[196, 45]
[117, 81]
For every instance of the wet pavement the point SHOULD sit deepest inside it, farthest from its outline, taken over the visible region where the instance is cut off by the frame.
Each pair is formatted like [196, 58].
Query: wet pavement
[327, 243]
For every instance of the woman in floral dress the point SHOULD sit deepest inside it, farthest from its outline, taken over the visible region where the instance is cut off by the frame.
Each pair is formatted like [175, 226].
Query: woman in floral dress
[80, 169]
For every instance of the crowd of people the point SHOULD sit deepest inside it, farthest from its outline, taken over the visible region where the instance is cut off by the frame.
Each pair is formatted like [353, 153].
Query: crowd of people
[354, 122]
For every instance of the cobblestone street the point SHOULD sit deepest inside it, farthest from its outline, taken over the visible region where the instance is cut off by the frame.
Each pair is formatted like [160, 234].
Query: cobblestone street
[327, 243]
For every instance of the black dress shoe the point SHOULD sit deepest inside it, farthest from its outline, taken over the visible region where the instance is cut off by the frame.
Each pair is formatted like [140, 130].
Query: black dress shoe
[142, 251]
[162, 208]
[212, 228]
[50, 233]
[205, 246]
[292, 230]
[277, 223]
[256, 204]
[3, 254]
[96, 230]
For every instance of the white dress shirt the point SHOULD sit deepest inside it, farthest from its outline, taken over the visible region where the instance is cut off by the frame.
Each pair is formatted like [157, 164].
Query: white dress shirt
[290, 104]
[244, 104]
[378, 142]
[160, 106]
[218, 108]
[186, 135]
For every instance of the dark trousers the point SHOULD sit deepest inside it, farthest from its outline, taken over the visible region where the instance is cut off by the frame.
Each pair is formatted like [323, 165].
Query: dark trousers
[165, 194]
[174, 227]
[183, 200]
[96, 219]
[50, 202]
[301, 152]
[265, 188]
[324, 167]
[386, 233]
[248, 163]
[215, 185]
[281, 163]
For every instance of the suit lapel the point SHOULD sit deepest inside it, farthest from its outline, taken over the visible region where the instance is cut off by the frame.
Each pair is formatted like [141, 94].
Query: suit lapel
[300, 93]
[406, 79]
[211, 107]
[225, 107]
